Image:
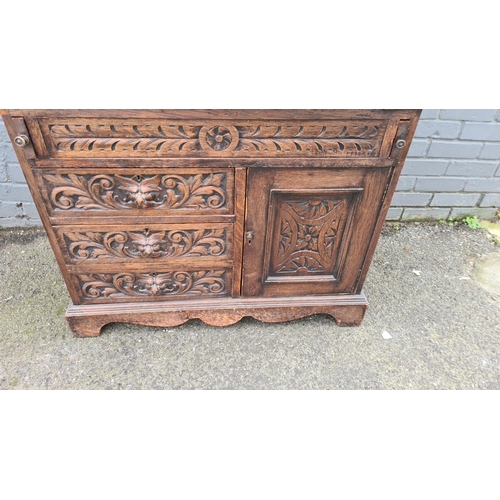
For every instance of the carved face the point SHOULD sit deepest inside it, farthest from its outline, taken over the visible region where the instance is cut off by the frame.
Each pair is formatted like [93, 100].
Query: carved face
[146, 243]
[155, 285]
[141, 192]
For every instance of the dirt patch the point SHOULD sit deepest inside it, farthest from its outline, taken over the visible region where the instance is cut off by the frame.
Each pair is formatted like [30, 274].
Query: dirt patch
[20, 236]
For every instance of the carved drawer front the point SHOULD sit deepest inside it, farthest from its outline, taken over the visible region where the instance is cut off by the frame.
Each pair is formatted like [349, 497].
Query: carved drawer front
[157, 138]
[145, 192]
[151, 285]
[170, 243]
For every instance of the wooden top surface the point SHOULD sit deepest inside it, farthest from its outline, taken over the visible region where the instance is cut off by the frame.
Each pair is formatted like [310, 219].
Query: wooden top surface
[245, 114]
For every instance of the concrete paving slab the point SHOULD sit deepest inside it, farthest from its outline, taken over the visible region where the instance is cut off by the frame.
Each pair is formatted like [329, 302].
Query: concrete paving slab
[487, 273]
[444, 329]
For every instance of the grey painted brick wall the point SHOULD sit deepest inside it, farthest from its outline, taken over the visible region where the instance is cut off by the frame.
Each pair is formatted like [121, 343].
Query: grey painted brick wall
[452, 170]
[453, 167]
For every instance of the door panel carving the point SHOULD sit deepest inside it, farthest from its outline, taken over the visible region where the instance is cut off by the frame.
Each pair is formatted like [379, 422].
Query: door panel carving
[308, 232]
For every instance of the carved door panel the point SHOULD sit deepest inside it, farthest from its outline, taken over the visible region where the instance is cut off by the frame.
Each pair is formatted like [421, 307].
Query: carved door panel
[308, 231]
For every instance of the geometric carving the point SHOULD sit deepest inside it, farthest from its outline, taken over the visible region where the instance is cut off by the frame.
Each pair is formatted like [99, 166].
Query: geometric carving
[308, 230]
[219, 138]
[127, 285]
[325, 138]
[102, 246]
[307, 234]
[117, 192]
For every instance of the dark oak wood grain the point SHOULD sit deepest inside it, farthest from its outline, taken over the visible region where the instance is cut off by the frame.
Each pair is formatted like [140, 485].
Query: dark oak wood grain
[87, 321]
[159, 216]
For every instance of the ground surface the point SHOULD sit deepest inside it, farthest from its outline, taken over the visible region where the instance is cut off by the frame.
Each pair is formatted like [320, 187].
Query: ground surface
[422, 288]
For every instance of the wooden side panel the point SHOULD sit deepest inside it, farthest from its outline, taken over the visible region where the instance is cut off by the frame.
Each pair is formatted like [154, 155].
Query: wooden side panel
[20, 129]
[400, 147]
[238, 227]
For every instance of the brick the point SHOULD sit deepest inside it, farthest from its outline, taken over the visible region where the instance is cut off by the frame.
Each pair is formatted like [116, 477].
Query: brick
[15, 173]
[473, 115]
[405, 183]
[498, 171]
[491, 151]
[490, 200]
[438, 128]
[429, 114]
[481, 132]
[483, 185]
[10, 210]
[394, 213]
[481, 213]
[30, 210]
[4, 137]
[455, 200]
[3, 174]
[418, 148]
[454, 149]
[8, 151]
[411, 199]
[425, 167]
[471, 168]
[425, 213]
[438, 184]
[15, 193]
[497, 118]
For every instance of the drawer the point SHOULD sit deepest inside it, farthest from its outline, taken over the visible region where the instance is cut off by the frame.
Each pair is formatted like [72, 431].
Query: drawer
[89, 246]
[340, 137]
[90, 193]
[159, 284]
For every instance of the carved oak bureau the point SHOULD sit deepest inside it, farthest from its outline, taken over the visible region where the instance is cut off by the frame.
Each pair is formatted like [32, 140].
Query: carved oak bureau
[158, 216]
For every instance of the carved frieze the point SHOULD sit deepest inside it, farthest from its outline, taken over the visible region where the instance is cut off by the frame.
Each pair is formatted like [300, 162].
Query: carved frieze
[110, 138]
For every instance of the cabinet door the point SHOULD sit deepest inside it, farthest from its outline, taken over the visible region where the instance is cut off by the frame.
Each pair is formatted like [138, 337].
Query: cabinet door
[308, 230]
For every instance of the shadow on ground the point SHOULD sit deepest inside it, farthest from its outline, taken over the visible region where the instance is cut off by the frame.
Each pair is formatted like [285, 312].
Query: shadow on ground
[445, 329]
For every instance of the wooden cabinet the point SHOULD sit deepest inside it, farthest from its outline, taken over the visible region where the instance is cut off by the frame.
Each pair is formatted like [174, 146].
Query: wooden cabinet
[156, 217]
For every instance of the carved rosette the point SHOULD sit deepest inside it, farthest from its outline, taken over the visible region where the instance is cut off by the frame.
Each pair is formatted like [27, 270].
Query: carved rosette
[102, 246]
[143, 285]
[219, 138]
[117, 192]
[307, 232]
